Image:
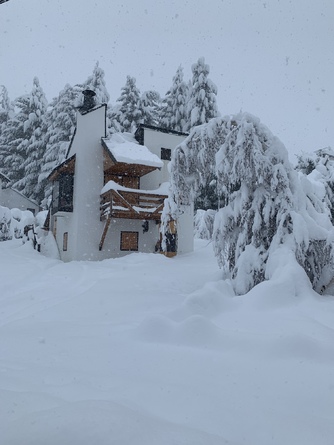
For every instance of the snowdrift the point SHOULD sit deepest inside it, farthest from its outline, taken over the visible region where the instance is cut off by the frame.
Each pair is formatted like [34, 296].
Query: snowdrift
[145, 349]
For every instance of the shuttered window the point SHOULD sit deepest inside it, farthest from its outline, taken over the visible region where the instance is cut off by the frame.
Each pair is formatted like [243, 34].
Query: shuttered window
[129, 241]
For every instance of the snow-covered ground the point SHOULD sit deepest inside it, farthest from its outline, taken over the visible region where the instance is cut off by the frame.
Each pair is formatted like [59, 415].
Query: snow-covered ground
[147, 350]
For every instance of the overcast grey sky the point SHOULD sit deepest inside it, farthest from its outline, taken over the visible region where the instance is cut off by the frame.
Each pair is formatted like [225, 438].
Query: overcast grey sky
[272, 58]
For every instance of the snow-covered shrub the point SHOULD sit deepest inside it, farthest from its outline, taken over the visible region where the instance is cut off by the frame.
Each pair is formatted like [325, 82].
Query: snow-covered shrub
[323, 172]
[266, 205]
[5, 220]
[13, 222]
[305, 163]
[44, 239]
[203, 223]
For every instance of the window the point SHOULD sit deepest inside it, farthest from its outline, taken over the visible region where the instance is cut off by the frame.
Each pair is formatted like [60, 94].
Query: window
[129, 241]
[66, 193]
[63, 194]
[65, 241]
[166, 154]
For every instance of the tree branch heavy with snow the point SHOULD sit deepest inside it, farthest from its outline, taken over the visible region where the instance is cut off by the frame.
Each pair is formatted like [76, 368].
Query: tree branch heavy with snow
[266, 205]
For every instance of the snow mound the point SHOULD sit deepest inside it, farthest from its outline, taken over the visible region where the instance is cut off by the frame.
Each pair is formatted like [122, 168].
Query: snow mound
[209, 301]
[286, 284]
[49, 246]
[195, 331]
[102, 422]
[303, 347]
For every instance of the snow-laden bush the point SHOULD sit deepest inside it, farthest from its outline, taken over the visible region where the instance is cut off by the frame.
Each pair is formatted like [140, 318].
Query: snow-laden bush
[5, 221]
[203, 223]
[13, 222]
[319, 167]
[266, 205]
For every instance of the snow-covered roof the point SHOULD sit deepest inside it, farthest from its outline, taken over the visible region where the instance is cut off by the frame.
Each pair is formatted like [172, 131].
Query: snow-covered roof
[65, 167]
[4, 177]
[124, 148]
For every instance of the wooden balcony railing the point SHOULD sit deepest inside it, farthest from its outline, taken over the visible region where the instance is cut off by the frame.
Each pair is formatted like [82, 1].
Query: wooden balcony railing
[131, 205]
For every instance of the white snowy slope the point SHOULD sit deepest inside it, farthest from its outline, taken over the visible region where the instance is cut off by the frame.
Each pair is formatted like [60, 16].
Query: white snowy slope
[148, 350]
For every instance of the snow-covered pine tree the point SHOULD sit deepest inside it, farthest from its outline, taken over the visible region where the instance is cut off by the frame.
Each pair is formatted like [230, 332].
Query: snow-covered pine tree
[97, 83]
[305, 162]
[266, 206]
[6, 108]
[6, 113]
[34, 142]
[203, 224]
[114, 126]
[319, 168]
[150, 105]
[173, 111]
[256, 178]
[13, 141]
[60, 121]
[202, 105]
[129, 113]
[5, 222]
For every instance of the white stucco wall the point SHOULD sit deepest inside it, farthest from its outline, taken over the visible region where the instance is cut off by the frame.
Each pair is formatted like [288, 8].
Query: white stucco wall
[155, 140]
[88, 182]
[83, 224]
[61, 223]
[146, 241]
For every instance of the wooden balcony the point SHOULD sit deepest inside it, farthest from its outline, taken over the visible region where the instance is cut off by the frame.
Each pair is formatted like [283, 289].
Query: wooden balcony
[131, 205]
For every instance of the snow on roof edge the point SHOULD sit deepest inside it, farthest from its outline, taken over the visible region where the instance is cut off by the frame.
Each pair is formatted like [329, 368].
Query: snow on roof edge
[124, 148]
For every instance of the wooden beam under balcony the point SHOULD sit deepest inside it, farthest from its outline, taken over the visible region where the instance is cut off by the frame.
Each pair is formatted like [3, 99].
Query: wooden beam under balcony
[104, 233]
[131, 205]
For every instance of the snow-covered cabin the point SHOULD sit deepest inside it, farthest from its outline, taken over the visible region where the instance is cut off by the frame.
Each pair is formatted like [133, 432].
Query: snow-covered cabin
[13, 199]
[109, 193]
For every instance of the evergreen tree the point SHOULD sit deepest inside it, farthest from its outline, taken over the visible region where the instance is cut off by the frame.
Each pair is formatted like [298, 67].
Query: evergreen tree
[266, 205]
[60, 121]
[319, 167]
[6, 113]
[96, 82]
[150, 104]
[208, 196]
[6, 108]
[305, 163]
[203, 224]
[13, 141]
[202, 104]
[113, 113]
[173, 112]
[129, 113]
[33, 144]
